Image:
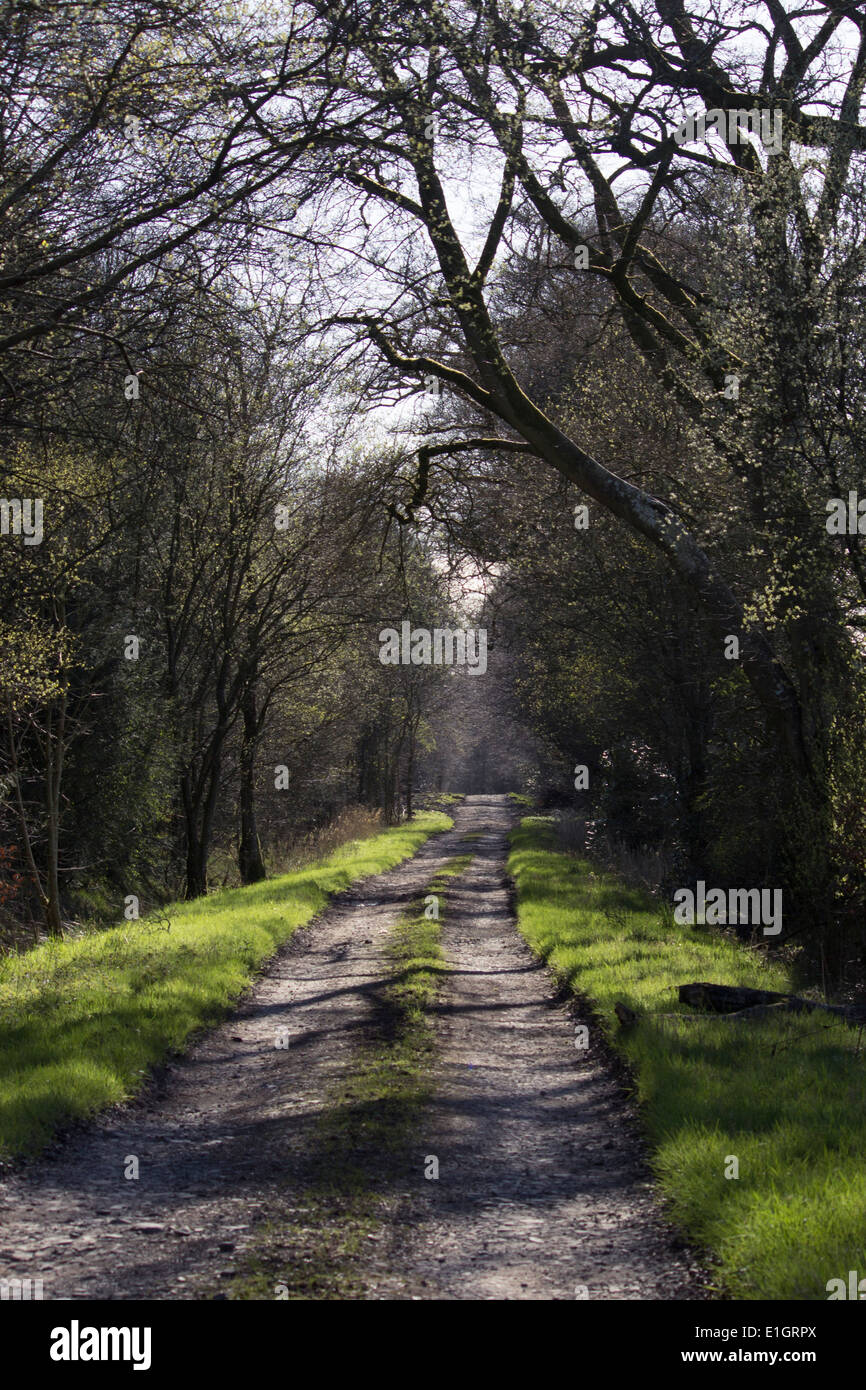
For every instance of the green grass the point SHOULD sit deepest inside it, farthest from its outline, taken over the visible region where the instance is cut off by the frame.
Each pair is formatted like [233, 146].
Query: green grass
[315, 1251]
[785, 1096]
[82, 1020]
[442, 801]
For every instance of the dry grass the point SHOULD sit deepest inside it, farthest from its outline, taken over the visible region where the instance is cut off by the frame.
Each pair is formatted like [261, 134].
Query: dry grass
[647, 868]
[352, 823]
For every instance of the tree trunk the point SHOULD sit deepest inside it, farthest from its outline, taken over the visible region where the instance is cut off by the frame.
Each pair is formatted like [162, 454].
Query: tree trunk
[27, 841]
[54, 751]
[196, 865]
[410, 771]
[196, 848]
[250, 860]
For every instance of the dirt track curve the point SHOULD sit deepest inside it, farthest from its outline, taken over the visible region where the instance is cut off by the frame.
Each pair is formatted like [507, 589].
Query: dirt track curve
[542, 1189]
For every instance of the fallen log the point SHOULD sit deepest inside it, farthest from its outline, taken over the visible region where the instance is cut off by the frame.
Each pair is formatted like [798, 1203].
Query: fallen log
[628, 1017]
[739, 999]
[750, 1015]
[754, 1014]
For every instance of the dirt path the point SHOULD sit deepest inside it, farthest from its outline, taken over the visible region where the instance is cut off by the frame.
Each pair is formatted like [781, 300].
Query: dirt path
[540, 1186]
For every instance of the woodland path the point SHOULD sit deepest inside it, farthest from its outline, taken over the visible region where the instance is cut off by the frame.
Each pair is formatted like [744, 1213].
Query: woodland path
[542, 1185]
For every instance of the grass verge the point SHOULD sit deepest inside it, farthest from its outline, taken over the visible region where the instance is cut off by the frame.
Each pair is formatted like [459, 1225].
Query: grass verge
[82, 1020]
[314, 1249]
[784, 1097]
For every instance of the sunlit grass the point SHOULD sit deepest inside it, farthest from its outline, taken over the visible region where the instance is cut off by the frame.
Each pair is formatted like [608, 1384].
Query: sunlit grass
[786, 1097]
[82, 1020]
